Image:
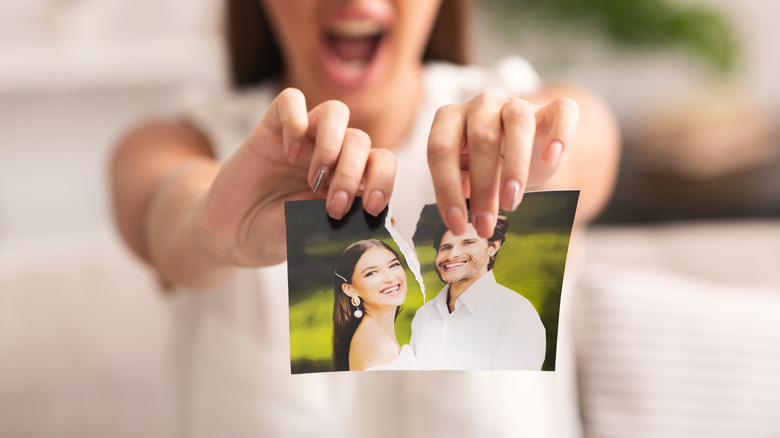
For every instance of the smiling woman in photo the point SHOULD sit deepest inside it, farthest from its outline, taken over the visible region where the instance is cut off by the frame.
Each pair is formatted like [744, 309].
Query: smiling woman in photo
[369, 290]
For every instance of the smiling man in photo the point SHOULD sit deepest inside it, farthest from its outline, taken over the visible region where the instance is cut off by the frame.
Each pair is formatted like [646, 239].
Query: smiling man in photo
[474, 323]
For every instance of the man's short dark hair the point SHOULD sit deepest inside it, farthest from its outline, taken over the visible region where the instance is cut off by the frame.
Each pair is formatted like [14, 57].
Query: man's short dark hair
[499, 234]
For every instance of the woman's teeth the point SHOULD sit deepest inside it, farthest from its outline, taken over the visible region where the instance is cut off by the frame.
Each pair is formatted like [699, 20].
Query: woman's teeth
[390, 289]
[356, 29]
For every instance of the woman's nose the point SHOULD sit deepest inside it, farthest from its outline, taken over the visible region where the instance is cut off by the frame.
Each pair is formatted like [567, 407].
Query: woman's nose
[387, 276]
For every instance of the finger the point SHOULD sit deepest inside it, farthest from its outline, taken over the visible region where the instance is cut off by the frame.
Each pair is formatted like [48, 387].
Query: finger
[483, 137]
[348, 172]
[519, 121]
[379, 176]
[287, 114]
[328, 123]
[558, 120]
[445, 142]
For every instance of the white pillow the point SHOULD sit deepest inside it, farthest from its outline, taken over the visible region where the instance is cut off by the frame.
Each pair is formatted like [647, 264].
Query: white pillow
[665, 355]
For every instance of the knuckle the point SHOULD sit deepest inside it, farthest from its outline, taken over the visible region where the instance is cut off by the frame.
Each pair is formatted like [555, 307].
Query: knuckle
[380, 170]
[383, 156]
[519, 110]
[486, 98]
[517, 116]
[480, 197]
[330, 150]
[483, 136]
[437, 146]
[294, 125]
[357, 137]
[445, 111]
[515, 164]
[567, 103]
[449, 193]
[336, 108]
[349, 176]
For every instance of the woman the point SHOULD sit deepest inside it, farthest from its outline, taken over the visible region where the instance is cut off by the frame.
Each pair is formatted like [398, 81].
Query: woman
[369, 290]
[202, 201]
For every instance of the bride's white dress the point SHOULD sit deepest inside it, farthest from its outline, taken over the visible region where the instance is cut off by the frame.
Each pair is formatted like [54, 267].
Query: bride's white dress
[405, 361]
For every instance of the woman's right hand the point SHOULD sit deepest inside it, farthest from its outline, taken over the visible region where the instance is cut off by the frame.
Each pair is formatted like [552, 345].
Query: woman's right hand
[194, 220]
[242, 216]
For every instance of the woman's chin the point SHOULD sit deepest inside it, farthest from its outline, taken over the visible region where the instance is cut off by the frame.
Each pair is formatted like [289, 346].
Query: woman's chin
[399, 299]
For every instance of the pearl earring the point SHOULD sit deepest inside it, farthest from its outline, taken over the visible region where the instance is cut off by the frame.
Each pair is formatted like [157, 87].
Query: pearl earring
[356, 302]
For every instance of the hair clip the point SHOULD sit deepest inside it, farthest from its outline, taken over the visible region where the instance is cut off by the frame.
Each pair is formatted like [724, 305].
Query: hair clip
[339, 276]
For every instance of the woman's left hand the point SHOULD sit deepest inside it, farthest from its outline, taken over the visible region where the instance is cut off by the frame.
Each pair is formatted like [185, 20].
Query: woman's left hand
[491, 149]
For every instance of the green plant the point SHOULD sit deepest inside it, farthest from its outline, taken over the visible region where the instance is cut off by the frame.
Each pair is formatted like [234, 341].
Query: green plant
[702, 30]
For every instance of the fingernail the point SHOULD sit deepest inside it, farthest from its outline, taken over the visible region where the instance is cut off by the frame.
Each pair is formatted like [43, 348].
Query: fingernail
[511, 195]
[294, 151]
[375, 202]
[485, 223]
[553, 153]
[338, 205]
[455, 220]
[320, 177]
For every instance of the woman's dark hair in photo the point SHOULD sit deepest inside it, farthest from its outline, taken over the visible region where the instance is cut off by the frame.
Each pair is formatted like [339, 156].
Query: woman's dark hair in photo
[344, 321]
[254, 54]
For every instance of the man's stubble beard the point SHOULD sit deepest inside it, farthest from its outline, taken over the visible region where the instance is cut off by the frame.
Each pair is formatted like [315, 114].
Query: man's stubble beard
[460, 279]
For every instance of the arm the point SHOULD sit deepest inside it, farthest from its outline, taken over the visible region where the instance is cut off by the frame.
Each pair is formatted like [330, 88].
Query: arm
[159, 172]
[193, 220]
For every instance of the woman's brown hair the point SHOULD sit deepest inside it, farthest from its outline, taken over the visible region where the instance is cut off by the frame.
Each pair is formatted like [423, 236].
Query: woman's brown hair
[345, 323]
[255, 55]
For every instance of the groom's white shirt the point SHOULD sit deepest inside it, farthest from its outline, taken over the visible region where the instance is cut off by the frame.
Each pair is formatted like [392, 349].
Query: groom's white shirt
[492, 327]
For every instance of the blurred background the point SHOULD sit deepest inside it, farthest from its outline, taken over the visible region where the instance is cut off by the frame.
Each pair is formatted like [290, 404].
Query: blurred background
[82, 326]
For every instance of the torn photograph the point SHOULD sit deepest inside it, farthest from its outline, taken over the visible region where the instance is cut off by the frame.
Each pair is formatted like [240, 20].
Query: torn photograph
[361, 298]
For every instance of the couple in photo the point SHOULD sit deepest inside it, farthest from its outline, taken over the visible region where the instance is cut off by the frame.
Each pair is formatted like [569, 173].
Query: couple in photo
[473, 323]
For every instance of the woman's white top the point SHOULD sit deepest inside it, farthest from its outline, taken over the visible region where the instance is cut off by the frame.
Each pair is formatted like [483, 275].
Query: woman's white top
[405, 361]
[231, 345]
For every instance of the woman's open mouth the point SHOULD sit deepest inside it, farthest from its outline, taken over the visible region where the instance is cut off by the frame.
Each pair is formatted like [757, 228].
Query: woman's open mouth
[351, 48]
[390, 290]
